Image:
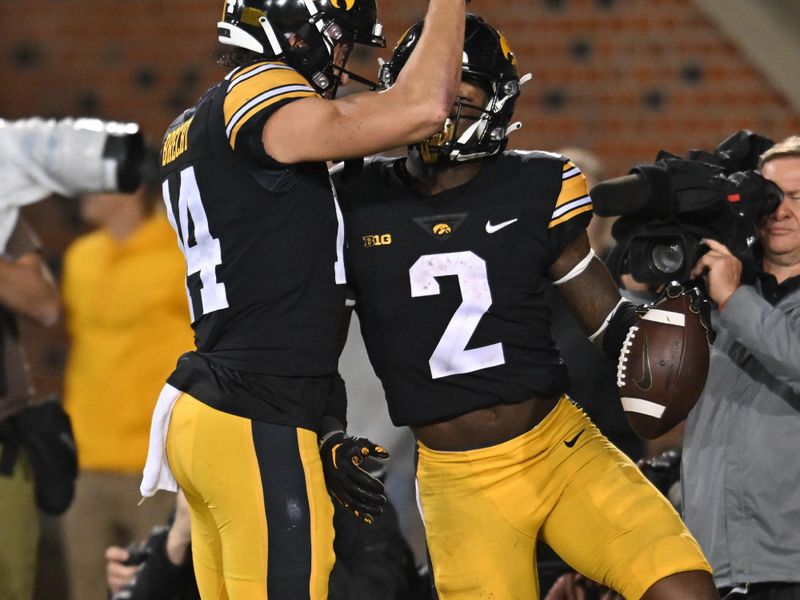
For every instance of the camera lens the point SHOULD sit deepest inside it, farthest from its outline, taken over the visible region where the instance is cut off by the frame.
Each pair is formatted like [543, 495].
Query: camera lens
[667, 257]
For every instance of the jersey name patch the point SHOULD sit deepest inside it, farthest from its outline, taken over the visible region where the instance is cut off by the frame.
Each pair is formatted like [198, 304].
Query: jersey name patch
[176, 143]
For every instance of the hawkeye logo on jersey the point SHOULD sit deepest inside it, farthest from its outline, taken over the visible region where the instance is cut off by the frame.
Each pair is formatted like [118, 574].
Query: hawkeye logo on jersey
[348, 4]
[377, 240]
[441, 226]
[175, 143]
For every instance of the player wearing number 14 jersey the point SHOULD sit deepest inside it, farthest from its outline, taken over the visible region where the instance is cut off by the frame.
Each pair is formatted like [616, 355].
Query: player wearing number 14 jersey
[449, 254]
[248, 193]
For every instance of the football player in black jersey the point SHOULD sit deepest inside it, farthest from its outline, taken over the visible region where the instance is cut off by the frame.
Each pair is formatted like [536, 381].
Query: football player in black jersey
[449, 253]
[248, 193]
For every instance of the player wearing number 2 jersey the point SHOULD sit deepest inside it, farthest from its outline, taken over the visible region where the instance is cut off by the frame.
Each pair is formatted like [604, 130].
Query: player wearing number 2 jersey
[449, 254]
[248, 193]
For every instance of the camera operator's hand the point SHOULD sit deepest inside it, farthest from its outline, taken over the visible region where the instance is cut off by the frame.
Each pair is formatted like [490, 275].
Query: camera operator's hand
[347, 481]
[721, 269]
[118, 575]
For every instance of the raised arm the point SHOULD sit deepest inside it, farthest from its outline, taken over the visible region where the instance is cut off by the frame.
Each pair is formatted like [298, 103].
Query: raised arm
[315, 129]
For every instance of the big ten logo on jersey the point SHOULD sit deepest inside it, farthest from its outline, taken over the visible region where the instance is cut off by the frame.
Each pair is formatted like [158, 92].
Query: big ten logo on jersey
[383, 239]
[176, 143]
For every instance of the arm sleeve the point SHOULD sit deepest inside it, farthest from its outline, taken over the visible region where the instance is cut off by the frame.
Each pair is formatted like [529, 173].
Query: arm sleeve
[254, 93]
[768, 332]
[572, 210]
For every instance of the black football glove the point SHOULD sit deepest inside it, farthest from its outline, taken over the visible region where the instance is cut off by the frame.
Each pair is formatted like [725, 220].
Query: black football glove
[354, 488]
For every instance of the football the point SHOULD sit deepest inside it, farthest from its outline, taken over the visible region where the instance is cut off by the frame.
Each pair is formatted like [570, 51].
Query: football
[663, 366]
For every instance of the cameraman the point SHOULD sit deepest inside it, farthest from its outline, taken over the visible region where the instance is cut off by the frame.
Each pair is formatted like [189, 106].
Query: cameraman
[740, 470]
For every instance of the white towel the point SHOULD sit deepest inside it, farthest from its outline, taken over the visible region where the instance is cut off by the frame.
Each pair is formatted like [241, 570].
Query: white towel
[157, 474]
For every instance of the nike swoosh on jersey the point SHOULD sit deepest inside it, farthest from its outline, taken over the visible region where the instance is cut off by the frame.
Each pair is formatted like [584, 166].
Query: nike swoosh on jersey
[646, 382]
[495, 228]
[573, 441]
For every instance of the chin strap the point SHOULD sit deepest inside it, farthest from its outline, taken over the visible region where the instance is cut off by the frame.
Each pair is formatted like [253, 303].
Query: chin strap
[272, 37]
[517, 125]
[338, 71]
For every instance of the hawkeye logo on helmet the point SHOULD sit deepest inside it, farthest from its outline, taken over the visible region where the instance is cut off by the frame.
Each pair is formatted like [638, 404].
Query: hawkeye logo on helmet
[507, 49]
[348, 4]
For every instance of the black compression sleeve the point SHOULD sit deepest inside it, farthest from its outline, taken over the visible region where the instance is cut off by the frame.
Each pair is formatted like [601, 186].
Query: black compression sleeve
[624, 318]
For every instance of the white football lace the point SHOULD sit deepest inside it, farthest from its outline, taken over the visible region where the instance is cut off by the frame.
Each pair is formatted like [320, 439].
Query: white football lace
[622, 363]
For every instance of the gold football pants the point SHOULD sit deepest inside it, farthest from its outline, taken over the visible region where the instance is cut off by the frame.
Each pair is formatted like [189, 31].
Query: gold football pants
[564, 482]
[262, 520]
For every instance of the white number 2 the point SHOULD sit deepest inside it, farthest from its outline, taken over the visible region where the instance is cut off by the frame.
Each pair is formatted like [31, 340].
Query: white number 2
[451, 356]
[204, 255]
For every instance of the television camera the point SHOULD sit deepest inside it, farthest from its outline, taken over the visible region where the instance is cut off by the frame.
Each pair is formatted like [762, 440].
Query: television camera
[668, 207]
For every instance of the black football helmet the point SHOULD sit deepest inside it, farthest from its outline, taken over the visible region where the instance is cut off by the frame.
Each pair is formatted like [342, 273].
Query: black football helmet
[488, 62]
[264, 26]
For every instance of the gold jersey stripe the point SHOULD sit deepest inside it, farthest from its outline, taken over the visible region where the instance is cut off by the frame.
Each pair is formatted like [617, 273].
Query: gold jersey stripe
[567, 216]
[572, 188]
[568, 166]
[569, 170]
[261, 106]
[245, 87]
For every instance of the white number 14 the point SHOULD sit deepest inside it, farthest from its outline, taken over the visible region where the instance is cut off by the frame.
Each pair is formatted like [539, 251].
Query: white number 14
[204, 255]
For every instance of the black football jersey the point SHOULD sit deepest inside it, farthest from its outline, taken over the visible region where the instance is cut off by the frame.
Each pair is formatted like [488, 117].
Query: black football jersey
[450, 289]
[263, 241]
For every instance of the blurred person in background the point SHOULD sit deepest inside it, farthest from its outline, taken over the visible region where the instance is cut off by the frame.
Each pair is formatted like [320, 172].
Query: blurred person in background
[27, 291]
[739, 468]
[126, 310]
[40, 157]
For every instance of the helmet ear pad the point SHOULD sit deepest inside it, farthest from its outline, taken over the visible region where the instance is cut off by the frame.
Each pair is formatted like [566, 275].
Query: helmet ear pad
[312, 55]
